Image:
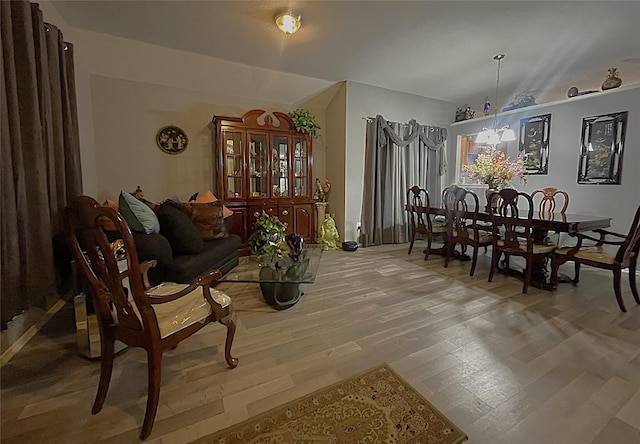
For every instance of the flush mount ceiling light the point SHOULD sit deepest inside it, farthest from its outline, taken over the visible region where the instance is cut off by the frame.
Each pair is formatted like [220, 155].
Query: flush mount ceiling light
[288, 22]
[492, 136]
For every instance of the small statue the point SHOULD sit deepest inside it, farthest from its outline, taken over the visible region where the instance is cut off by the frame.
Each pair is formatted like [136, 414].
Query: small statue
[294, 242]
[487, 106]
[321, 192]
[138, 194]
[469, 113]
[329, 233]
[612, 80]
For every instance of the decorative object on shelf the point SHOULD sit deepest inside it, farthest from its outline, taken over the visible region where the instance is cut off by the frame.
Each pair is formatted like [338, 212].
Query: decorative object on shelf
[534, 143]
[329, 233]
[492, 135]
[320, 195]
[612, 81]
[295, 243]
[601, 149]
[522, 100]
[304, 121]
[495, 169]
[267, 241]
[486, 108]
[573, 92]
[288, 22]
[172, 140]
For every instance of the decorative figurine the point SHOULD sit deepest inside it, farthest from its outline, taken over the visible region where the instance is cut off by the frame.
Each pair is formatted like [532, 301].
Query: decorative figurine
[294, 242]
[612, 80]
[487, 106]
[321, 192]
[329, 233]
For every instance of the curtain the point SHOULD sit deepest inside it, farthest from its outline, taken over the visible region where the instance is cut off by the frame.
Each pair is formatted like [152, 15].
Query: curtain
[398, 156]
[40, 157]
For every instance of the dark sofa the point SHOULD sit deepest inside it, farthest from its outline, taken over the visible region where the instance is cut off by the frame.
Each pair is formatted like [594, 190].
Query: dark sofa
[180, 250]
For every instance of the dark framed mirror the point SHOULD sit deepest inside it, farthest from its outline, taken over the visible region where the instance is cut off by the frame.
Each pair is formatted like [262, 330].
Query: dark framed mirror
[534, 143]
[601, 149]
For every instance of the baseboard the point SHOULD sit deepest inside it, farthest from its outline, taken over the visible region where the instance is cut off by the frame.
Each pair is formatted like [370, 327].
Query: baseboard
[29, 333]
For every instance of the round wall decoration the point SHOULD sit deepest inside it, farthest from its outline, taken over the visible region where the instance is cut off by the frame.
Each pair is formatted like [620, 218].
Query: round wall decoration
[172, 140]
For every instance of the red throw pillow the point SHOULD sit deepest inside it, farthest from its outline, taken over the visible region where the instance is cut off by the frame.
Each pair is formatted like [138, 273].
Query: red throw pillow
[106, 223]
[209, 197]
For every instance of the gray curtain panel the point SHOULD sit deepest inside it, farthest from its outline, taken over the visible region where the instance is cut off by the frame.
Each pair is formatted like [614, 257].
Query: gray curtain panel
[398, 156]
[40, 158]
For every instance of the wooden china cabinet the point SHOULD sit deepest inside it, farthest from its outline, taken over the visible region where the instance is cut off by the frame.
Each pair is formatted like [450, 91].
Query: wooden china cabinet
[264, 164]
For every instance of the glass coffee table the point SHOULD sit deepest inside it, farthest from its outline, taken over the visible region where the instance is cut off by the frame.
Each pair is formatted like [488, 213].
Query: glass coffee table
[279, 281]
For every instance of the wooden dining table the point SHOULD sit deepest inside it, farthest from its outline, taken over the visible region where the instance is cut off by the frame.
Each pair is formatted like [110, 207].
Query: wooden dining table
[542, 223]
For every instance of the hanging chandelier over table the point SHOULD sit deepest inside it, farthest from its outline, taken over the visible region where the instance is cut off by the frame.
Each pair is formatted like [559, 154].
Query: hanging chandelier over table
[493, 136]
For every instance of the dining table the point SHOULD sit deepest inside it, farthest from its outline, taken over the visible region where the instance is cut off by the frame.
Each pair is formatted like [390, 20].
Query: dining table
[542, 223]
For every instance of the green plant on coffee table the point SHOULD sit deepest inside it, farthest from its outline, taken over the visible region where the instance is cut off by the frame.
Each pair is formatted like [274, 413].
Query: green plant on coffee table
[267, 239]
[304, 121]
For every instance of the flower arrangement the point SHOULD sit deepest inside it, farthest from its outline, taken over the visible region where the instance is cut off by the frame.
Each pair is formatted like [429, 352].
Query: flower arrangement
[304, 121]
[495, 169]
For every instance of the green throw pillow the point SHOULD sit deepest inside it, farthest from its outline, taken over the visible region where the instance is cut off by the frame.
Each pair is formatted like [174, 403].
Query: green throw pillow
[138, 215]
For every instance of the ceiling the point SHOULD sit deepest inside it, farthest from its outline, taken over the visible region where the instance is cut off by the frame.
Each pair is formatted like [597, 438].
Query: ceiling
[443, 50]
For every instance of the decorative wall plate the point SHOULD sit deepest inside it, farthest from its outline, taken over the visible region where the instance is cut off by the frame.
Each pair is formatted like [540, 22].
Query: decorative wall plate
[172, 140]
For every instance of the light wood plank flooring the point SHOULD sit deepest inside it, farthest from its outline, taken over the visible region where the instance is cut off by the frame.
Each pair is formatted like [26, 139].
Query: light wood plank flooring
[560, 367]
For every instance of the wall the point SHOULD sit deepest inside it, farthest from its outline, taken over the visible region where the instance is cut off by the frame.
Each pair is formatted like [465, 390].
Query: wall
[135, 88]
[618, 201]
[369, 101]
[336, 157]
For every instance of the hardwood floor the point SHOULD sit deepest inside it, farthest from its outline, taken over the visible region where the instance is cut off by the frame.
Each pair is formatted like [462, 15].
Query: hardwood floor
[560, 367]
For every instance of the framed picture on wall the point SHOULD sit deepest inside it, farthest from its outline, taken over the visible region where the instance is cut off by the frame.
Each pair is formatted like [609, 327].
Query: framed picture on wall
[534, 143]
[601, 149]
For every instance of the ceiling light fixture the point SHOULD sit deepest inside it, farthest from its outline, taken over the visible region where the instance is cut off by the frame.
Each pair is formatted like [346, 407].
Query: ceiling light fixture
[288, 22]
[492, 136]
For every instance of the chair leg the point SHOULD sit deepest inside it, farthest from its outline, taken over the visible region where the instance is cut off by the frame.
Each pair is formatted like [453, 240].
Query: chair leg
[230, 322]
[527, 275]
[617, 275]
[428, 250]
[632, 281]
[474, 261]
[154, 365]
[576, 278]
[450, 246]
[495, 258]
[106, 366]
[413, 238]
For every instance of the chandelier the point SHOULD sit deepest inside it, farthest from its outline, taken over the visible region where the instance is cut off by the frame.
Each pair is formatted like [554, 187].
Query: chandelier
[494, 136]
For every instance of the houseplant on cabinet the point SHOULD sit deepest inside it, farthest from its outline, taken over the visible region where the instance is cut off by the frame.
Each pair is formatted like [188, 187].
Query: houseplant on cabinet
[304, 121]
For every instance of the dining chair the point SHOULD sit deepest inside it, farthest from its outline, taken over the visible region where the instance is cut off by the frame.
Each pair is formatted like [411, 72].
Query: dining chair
[513, 233]
[550, 198]
[461, 207]
[420, 222]
[611, 251]
[128, 310]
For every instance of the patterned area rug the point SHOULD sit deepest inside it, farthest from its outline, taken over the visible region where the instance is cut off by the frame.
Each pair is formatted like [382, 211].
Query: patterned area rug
[376, 406]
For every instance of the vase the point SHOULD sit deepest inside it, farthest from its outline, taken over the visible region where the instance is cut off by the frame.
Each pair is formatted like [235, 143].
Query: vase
[612, 80]
[492, 206]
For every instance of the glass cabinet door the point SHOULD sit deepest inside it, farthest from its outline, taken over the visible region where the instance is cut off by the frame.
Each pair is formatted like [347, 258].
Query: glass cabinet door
[280, 166]
[258, 166]
[300, 167]
[233, 163]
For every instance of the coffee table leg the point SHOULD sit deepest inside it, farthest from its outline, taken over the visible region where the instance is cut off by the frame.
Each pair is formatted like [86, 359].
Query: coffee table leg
[281, 296]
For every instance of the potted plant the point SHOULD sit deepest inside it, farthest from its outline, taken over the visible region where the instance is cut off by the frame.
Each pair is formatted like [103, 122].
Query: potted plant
[267, 239]
[304, 121]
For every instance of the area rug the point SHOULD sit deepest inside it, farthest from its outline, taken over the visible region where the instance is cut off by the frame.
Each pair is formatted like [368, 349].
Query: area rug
[376, 406]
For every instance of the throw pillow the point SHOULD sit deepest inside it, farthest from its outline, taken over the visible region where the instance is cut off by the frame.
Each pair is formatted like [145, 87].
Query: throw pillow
[107, 223]
[208, 197]
[180, 231]
[182, 206]
[139, 216]
[209, 220]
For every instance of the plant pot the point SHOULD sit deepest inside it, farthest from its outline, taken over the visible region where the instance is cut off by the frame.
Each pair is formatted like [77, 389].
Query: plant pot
[492, 207]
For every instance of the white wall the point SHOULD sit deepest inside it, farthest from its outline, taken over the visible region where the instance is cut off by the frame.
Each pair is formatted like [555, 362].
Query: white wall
[369, 101]
[618, 201]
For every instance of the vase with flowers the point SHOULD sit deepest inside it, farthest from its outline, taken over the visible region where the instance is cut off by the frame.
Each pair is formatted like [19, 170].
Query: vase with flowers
[496, 170]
